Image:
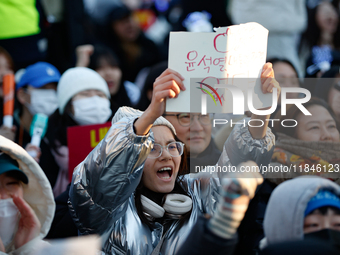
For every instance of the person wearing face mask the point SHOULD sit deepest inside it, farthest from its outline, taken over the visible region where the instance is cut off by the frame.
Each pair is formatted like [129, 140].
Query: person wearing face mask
[303, 217]
[36, 93]
[83, 99]
[26, 201]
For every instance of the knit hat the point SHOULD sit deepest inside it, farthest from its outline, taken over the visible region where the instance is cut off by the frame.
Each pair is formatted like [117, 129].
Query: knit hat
[38, 75]
[130, 112]
[78, 79]
[321, 199]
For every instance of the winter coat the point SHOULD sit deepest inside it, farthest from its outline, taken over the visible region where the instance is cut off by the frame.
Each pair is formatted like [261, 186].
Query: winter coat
[284, 218]
[103, 186]
[37, 193]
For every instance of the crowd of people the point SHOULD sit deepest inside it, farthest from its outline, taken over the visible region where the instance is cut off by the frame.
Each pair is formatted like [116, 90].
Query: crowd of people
[89, 62]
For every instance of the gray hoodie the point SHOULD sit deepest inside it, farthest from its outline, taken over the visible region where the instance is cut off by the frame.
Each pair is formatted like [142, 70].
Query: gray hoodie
[284, 217]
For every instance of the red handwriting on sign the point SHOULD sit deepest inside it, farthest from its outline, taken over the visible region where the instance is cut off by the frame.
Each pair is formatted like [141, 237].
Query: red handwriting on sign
[208, 62]
[191, 56]
[220, 42]
[238, 55]
[222, 64]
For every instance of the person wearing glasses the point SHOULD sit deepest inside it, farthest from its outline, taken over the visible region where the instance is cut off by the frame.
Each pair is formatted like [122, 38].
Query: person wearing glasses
[130, 189]
[194, 130]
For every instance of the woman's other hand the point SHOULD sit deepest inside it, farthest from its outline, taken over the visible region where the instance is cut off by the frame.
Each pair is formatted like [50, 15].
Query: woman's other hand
[168, 84]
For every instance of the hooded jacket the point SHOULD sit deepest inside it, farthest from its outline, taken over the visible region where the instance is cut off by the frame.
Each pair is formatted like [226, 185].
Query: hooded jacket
[37, 193]
[284, 217]
[103, 186]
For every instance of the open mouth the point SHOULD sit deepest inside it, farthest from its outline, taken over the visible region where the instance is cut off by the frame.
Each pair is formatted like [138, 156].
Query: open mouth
[165, 173]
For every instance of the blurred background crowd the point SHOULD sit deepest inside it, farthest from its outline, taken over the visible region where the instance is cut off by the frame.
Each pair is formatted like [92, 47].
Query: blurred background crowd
[78, 61]
[124, 40]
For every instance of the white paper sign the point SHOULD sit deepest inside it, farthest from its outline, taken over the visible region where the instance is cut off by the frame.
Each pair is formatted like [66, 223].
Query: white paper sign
[219, 57]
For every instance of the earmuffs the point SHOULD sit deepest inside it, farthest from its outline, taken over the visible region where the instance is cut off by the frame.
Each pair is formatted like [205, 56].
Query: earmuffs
[176, 204]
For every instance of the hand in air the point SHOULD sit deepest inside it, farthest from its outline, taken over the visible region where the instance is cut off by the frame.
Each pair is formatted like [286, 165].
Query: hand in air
[168, 84]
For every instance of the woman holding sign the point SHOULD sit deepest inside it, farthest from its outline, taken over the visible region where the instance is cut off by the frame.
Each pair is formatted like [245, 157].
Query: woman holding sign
[130, 189]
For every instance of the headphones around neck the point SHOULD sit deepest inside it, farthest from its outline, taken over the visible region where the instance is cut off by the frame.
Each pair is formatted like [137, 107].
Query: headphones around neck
[176, 204]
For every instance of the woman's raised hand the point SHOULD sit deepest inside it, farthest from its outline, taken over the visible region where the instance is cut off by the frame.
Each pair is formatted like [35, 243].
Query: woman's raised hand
[83, 53]
[168, 84]
[268, 84]
[268, 80]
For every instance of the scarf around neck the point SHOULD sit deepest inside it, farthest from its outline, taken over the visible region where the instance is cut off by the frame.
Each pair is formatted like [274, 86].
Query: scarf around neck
[304, 158]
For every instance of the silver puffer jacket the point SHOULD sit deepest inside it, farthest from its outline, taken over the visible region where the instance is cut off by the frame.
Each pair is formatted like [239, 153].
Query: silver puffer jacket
[102, 192]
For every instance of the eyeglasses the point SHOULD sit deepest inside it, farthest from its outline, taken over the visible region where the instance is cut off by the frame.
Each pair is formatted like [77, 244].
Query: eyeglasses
[186, 119]
[175, 149]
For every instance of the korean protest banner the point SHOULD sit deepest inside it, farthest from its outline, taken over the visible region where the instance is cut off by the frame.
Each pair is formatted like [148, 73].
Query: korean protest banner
[81, 140]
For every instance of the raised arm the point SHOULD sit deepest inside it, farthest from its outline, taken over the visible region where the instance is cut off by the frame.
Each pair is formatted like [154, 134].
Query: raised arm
[104, 181]
[268, 84]
[168, 84]
[252, 143]
[241, 147]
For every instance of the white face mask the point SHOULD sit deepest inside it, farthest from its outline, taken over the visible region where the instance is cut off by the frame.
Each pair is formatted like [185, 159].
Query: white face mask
[9, 216]
[91, 110]
[43, 101]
